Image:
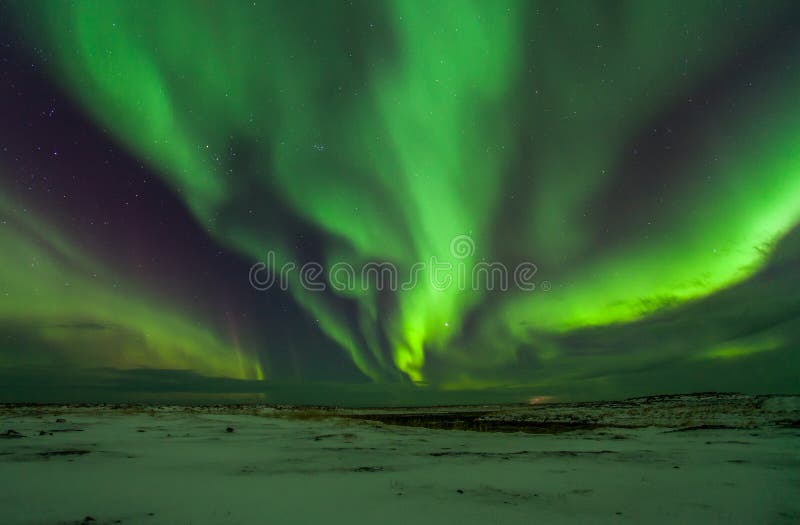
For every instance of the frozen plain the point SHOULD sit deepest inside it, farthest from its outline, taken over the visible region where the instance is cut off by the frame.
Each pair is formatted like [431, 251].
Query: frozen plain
[710, 458]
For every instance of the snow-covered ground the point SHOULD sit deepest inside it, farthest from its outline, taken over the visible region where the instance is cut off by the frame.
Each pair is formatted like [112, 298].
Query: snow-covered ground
[734, 459]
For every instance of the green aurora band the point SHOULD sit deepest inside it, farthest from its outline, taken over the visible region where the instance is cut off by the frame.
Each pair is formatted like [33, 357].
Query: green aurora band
[75, 312]
[390, 128]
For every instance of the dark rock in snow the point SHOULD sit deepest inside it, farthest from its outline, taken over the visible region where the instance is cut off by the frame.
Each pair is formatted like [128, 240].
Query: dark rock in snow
[66, 452]
[368, 469]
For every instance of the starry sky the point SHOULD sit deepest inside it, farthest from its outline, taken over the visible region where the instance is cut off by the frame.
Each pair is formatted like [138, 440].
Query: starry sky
[645, 156]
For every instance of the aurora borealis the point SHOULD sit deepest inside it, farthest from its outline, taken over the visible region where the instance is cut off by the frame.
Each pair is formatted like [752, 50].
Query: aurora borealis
[644, 155]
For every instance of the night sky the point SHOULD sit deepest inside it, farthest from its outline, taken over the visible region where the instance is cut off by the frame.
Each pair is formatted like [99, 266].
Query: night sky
[645, 156]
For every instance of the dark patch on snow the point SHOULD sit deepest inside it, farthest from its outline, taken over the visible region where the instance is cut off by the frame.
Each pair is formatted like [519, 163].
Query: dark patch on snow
[368, 469]
[64, 452]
